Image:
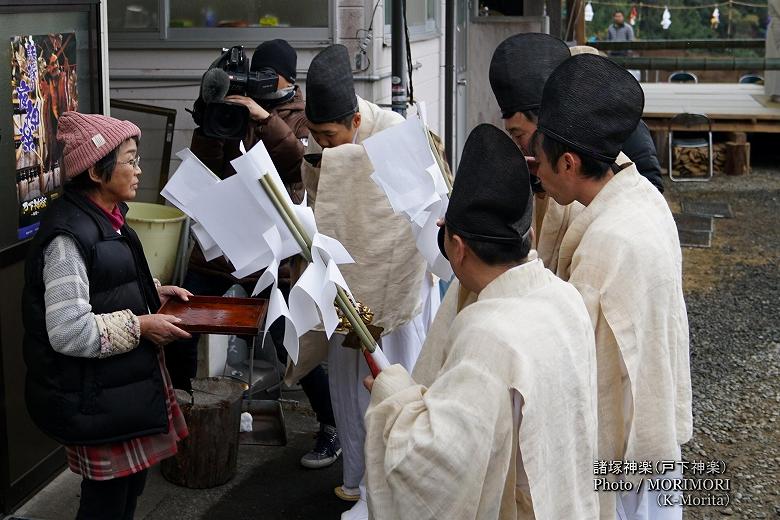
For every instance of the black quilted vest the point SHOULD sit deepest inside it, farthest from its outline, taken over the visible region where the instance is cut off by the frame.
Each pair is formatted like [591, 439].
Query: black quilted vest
[85, 401]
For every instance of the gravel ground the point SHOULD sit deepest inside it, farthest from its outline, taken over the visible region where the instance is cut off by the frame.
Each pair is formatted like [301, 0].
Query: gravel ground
[732, 292]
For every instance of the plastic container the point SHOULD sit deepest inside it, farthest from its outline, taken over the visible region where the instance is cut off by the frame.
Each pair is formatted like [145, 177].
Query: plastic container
[159, 229]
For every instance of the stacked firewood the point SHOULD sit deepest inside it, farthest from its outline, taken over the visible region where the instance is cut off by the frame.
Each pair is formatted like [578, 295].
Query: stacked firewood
[694, 161]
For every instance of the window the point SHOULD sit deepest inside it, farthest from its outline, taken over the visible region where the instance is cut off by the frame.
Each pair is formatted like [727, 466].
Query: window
[240, 13]
[134, 15]
[421, 16]
[500, 8]
[209, 21]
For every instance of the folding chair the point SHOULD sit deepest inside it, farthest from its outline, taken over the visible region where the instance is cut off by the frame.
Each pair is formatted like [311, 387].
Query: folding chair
[752, 78]
[683, 76]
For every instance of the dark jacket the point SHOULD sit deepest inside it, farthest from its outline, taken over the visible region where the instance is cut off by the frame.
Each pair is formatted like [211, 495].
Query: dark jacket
[281, 134]
[640, 148]
[83, 401]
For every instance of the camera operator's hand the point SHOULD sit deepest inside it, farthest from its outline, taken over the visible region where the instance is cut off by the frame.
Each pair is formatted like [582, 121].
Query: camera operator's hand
[256, 112]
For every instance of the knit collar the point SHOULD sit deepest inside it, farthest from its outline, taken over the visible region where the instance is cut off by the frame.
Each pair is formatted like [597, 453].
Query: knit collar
[115, 216]
[285, 97]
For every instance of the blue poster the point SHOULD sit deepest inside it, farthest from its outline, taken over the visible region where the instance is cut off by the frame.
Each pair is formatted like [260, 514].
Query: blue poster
[43, 86]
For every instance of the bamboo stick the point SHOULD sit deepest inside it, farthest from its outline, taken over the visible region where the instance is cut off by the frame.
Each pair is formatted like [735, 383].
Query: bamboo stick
[281, 209]
[305, 243]
[439, 160]
[292, 221]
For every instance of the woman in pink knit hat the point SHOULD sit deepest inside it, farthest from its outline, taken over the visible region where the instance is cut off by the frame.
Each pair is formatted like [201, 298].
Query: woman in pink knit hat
[96, 375]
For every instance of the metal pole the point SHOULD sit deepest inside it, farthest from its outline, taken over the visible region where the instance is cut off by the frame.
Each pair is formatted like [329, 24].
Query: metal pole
[728, 29]
[554, 12]
[449, 78]
[251, 374]
[398, 78]
[571, 5]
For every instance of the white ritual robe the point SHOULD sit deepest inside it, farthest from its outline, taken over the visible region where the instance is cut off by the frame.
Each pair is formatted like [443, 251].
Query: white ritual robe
[551, 220]
[623, 254]
[350, 207]
[446, 445]
[388, 276]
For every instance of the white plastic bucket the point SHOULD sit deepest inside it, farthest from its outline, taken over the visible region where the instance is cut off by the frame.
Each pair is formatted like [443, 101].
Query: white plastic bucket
[159, 229]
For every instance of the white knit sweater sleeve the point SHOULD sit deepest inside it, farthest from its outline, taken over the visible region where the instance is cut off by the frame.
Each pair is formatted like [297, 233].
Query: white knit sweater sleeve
[74, 330]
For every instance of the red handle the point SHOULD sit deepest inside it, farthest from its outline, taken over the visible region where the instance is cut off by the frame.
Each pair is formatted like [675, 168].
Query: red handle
[372, 366]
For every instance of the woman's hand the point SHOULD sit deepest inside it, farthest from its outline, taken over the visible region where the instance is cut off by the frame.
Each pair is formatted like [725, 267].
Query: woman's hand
[166, 292]
[160, 328]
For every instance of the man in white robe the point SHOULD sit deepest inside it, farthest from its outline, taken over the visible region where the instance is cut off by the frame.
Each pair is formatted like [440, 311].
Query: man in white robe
[388, 274]
[623, 254]
[518, 70]
[499, 422]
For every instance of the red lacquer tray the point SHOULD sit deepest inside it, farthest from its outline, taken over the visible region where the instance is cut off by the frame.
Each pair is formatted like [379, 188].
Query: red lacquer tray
[218, 315]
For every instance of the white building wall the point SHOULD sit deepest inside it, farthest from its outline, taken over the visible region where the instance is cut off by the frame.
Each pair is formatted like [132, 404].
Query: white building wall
[170, 77]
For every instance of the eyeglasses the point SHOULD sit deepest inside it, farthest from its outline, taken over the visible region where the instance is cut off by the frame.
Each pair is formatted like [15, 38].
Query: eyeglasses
[135, 163]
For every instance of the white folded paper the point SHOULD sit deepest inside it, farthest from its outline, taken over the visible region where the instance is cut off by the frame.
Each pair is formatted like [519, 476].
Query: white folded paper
[236, 217]
[191, 178]
[413, 183]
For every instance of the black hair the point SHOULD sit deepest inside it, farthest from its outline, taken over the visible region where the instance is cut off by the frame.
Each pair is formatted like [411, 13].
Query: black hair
[619, 11]
[104, 168]
[497, 253]
[530, 114]
[347, 120]
[553, 149]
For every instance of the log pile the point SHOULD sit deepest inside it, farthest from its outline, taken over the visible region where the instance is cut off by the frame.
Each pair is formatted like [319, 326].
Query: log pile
[694, 161]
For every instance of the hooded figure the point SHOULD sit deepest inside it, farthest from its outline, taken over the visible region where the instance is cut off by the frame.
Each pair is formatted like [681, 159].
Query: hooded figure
[623, 254]
[388, 275]
[504, 388]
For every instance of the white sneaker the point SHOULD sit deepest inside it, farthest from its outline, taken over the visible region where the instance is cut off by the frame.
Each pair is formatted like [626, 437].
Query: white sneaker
[358, 512]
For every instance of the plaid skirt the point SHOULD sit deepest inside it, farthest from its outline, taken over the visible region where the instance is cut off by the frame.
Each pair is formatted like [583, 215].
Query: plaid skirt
[120, 459]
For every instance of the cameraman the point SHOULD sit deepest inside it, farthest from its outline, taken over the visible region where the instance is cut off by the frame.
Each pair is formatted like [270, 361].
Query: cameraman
[278, 120]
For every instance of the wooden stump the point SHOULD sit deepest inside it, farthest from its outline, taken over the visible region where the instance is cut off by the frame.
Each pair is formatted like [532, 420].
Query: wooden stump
[737, 158]
[207, 458]
[737, 137]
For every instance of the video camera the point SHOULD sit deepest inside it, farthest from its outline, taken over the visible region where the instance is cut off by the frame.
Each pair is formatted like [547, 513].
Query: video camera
[243, 80]
[229, 75]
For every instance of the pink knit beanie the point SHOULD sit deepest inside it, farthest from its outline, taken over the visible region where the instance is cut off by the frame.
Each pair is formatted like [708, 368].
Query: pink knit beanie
[87, 138]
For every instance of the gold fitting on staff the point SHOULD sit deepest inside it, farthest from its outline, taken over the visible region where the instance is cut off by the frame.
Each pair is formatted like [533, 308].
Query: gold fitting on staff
[365, 313]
